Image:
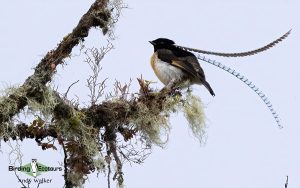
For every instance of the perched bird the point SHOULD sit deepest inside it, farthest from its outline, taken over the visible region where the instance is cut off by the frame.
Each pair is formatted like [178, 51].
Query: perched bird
[175, 66]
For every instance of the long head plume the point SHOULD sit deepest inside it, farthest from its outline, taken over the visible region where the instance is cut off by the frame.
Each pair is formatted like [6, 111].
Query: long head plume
[249, 83]
[241, 54]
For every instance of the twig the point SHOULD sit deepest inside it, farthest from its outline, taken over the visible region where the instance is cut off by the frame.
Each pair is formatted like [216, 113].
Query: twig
[15, 151]
[108, 175]
[70, 88]
[67, 182]
[24, 186]
[93, 57]
[108, 161]
[119, 174]
[286, 182]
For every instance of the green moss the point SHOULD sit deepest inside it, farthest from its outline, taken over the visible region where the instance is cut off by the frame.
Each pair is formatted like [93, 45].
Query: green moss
[153, 120]
[193, 112]
[7, 130]
[46, 107]
[11, 96]
[120, 185]
[152, 123]
[99, 163]
[76, 179]
[9, 102]
[73, 128]
[89, 141]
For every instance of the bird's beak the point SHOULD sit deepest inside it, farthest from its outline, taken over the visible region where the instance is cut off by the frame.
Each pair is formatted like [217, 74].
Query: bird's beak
[151, 42]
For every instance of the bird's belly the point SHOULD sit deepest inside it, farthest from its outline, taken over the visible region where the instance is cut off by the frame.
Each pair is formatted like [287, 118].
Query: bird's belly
[166, 72]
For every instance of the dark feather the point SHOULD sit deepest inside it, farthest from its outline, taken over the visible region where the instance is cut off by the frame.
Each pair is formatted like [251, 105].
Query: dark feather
[180, 62]
[240, 54]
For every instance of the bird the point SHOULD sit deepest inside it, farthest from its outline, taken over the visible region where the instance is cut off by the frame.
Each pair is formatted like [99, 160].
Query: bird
[175, 66]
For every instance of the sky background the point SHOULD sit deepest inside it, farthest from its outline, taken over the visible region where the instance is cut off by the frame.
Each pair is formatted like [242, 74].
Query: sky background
[244, 148]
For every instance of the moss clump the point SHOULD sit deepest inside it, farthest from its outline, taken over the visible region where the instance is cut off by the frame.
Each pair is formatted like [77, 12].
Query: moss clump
[99, 163]
[44, 108]
[7, 130]
[152, 118]
[152, 123]
[10, 100]
[194, 114]
[75, 179]
[13, 97]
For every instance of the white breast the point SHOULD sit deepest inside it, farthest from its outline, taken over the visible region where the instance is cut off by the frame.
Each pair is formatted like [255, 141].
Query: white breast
[166, 72]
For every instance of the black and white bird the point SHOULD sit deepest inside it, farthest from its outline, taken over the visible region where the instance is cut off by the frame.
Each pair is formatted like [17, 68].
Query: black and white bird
[175, 66]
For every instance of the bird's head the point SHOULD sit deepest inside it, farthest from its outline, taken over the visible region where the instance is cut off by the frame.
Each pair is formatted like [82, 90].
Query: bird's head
[162, 43]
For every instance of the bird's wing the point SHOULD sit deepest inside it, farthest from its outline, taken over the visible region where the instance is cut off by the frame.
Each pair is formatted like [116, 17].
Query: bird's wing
[181, 62]
[196, 66]
[186, 62]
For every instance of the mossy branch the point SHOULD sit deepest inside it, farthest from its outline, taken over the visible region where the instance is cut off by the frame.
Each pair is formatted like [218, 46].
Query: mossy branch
[97, 16]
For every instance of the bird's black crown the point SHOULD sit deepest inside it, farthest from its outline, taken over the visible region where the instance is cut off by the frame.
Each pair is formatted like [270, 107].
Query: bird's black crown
[162, 42]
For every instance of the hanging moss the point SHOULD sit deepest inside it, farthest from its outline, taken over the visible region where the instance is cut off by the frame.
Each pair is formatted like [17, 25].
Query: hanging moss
[194, 114]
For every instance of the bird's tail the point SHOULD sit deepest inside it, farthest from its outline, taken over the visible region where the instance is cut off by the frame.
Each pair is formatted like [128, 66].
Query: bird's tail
[206, 84]
[241, 54]
[247, 82]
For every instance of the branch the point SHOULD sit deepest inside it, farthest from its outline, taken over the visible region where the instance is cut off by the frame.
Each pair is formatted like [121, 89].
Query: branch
[97, 16]
[287, 182]
[23, 131]
[65, 95]
[68, 183]
[119, 174]
[19, 179]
